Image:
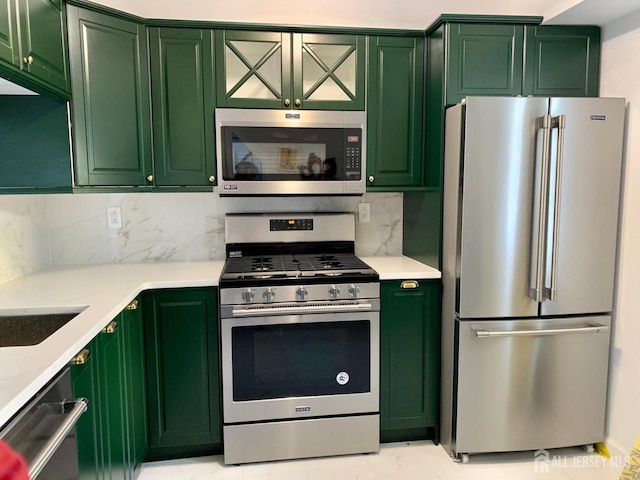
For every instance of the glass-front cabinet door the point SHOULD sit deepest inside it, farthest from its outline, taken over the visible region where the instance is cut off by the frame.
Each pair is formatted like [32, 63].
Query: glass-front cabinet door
[290, 70]
[328, 71]
[257, 69]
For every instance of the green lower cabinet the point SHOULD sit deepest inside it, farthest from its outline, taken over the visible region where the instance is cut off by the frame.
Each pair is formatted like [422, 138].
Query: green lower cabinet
[181, 332]
[135, 383]
[85, 384]
[109, 372]
[394, 114]
[409, 359]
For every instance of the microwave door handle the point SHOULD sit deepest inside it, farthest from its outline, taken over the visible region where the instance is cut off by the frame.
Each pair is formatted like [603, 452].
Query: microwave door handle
[536, 285]
[558, 122]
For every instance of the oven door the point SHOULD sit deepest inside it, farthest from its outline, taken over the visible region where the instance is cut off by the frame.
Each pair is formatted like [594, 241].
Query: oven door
[266, 152]
[300, 366]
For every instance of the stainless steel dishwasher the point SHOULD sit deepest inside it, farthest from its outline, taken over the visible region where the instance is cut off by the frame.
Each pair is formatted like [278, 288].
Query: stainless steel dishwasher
[43, 431]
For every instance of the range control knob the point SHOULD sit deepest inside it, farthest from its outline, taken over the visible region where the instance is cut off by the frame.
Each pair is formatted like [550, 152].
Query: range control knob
[302, 293]
[268, 295]
[354, 290]
[247, 295]
[334, 292]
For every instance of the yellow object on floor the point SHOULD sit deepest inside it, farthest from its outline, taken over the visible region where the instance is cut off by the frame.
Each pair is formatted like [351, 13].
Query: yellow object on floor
[602, 450]
[632, 469]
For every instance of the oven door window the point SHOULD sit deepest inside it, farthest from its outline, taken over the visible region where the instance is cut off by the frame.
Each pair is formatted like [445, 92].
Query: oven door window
[298, 360]
[276, 153]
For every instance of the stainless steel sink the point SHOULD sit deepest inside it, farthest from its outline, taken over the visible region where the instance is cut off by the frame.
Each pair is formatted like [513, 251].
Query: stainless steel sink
[23, 330]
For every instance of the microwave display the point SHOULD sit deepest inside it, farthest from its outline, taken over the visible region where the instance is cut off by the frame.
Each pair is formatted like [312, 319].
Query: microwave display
[279, 153]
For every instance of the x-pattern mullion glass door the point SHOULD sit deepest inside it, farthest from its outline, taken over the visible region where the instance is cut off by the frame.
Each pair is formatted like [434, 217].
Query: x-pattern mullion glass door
[257, 69]
[328, 71]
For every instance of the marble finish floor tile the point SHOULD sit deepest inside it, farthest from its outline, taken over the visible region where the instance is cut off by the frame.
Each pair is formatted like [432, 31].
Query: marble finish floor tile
[396, 461]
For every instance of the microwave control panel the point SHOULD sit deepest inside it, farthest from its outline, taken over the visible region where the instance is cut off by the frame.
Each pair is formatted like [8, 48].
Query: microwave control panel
[352, 153]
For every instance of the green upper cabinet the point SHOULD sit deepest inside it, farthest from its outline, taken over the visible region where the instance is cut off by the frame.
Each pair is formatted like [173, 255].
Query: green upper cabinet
[33, 43]
[182, 87]
[394, 112]
[328, 71]
[480, 55]
[43, 41]
[34, 137]
[181, 333]
[520, 59]
[409, 359]
[484, 60]
[562, 61]
[290, 70]
[254, 69]
[111, 105]
[8, 32]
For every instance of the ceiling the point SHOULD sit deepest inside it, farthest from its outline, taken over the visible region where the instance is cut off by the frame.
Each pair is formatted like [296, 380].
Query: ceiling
[405, 14]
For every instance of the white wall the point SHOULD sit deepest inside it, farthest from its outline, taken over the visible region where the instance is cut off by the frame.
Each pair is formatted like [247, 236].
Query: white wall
[620, 74]
[24, 240]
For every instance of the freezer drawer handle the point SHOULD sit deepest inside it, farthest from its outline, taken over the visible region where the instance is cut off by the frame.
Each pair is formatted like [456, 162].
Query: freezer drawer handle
[480, 333]
[43, 456]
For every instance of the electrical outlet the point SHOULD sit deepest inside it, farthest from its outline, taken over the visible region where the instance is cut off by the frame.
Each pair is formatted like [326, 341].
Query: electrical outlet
[114, 217]
[364, 214]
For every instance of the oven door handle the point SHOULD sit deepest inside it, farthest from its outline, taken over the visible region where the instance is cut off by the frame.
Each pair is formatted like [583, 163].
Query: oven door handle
[244, 312]
[47, 451]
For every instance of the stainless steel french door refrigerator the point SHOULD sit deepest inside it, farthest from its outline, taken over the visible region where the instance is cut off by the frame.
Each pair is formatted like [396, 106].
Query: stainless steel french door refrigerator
[531, 195]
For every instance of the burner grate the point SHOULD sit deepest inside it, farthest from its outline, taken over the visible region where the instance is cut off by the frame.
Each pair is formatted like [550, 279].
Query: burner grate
[293, 266]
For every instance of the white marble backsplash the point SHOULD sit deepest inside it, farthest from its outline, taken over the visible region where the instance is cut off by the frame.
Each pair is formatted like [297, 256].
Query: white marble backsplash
[190, 226]
[24, 241]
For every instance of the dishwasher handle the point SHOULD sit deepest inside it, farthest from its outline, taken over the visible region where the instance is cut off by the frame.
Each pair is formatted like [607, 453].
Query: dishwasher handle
[42, 457]
[598, 328]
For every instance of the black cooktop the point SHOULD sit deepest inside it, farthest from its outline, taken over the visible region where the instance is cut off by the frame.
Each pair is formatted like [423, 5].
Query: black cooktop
[296, 268]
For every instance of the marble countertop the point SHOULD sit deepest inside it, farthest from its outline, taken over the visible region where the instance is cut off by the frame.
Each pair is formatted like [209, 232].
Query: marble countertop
[100, 293]
[401, 268]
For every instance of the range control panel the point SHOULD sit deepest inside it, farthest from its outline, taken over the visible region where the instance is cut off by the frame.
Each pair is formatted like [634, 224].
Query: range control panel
[280, 225]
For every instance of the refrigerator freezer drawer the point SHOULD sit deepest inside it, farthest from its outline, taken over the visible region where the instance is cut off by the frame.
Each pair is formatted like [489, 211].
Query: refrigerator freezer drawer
[530, 384]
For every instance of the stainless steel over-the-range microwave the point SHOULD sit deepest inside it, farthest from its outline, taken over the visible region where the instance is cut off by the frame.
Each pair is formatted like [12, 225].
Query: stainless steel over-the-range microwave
[290, 152]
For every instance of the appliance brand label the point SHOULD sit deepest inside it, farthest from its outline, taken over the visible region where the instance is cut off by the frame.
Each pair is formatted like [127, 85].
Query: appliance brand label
[230, 186]
[342, 378]
[599, 117]
[292, 115]
[303, 409]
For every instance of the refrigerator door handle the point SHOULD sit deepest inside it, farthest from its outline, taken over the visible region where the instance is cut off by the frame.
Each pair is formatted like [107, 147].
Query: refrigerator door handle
[598, 328]
[558, 122]
[536, 286]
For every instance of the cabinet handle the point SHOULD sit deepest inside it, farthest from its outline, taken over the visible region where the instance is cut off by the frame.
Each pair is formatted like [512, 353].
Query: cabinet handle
[81, 358]
[371, 178]
[409, 284]
[287, 102]
[150, 178]
[111, 328]
[212, 179]
[28, 60]
[132, 306]
[298, 102]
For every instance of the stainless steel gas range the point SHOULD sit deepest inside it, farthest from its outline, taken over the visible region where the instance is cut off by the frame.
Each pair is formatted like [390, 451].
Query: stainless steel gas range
[300, 334]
